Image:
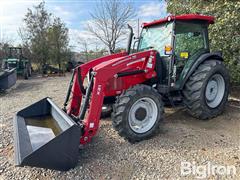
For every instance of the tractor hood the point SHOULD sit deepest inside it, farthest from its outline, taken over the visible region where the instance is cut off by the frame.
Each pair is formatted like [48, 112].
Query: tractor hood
[120, 60]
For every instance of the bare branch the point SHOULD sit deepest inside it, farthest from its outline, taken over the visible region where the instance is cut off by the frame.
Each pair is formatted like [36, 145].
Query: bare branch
[109, 20]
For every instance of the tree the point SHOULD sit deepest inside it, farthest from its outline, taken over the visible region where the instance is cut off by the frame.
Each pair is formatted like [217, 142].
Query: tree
[84, 45]
[36, 25]
[45, 38]
[26, 48]
[4, 50]
[5, 43]
[224, 33]
[109, 20]
[58, 42]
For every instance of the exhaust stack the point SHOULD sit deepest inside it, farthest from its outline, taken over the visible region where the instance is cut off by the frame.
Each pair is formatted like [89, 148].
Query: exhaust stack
[129, 43]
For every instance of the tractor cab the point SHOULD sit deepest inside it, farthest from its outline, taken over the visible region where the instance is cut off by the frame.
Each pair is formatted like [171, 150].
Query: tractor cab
[15, 52]
[179, 41]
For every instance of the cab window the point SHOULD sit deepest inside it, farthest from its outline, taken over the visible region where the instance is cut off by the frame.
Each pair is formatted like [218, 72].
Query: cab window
[190, 39]
[156, 37]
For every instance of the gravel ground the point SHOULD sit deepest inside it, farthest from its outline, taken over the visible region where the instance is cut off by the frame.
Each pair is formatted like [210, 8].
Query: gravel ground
[108, 156]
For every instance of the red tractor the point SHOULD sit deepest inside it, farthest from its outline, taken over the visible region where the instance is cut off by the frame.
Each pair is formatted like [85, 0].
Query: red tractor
[172, 61]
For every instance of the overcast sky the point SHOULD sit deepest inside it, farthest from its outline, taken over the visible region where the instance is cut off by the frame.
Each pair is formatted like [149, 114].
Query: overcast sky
[75, 13]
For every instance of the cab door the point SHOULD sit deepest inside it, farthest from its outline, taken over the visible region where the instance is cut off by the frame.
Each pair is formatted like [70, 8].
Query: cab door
[191, 41]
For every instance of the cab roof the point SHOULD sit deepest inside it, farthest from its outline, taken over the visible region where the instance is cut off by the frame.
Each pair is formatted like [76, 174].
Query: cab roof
[184, 17]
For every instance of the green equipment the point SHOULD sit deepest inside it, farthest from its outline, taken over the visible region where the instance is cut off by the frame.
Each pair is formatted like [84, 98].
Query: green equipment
[17, 60]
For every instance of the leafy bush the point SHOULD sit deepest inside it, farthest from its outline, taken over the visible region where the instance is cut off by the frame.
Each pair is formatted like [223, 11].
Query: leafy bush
[224, 34]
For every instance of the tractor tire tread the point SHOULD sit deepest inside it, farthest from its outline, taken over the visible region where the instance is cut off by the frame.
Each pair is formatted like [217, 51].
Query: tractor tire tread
[192, 91]
[120, 107]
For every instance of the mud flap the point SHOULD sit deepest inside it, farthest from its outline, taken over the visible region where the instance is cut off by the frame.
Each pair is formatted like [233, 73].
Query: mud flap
[46, 137]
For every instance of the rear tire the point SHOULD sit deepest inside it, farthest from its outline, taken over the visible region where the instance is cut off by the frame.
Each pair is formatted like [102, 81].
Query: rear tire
[137, 113]
[206, 91]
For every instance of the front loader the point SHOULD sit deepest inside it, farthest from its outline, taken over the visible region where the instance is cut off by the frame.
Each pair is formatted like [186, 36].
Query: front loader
[172, 60]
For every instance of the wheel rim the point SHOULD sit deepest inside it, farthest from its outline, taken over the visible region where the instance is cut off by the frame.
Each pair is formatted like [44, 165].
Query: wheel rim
[143, 115]
[215, 90]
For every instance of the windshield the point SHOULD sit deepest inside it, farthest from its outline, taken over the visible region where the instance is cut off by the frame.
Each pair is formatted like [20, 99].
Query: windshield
[156, 37]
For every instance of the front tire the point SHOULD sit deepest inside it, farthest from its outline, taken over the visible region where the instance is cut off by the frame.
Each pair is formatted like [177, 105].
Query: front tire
[206, 91]
[137, 113]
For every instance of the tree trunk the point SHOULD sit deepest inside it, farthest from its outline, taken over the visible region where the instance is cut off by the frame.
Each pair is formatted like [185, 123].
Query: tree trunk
[110, 50]
[59, 69]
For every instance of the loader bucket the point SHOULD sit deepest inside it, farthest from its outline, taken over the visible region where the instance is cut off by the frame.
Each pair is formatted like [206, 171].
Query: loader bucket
[44, 136]
[7, 78]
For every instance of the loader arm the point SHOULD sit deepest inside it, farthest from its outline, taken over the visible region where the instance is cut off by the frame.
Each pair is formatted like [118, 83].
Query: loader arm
[139, 66]
[76, 85]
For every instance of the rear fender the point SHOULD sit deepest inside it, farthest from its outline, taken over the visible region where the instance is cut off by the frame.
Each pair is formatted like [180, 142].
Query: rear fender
[200, 60]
